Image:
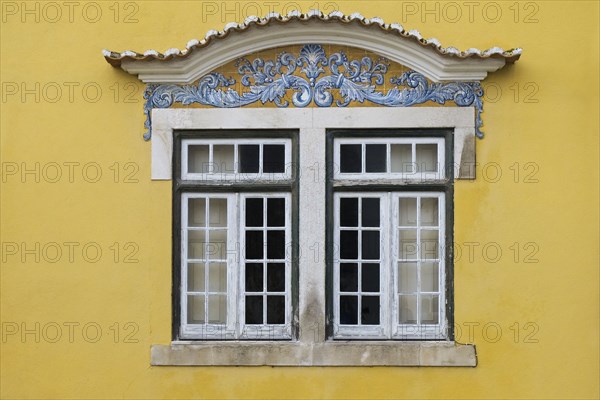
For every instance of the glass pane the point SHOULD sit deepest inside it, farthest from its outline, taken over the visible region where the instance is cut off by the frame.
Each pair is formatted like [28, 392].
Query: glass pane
[369, 313]
[198, 161]
[217, 309]
[217, 277]
[370, 245]
[197, 212]
[407, 277]
[429, 309]
[370, 212]
[248, 154]
[254, 212]
[426, 157]
[276, 245]
[348, 277]
[408, 309]
[349, 212]
[195, 277]
[217, 212]
[408, 211]
[351, 158]
[349, 245]
[429, 277]
[349, 310]
[370, 277]
[254, 277]
[275, 212]
[254, 245]
[275, 310]
[223, 162]
[217, 246]
[375, 158]
[275, 277]
[196, 244]
[195, 309]
[429, 245]
[401, 155]
[429, 211]
[274, 158]
[407, 244]
[254, 309]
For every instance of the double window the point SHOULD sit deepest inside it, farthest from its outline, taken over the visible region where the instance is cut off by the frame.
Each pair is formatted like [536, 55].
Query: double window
[390, 192]
[389, 207]
[236, 194]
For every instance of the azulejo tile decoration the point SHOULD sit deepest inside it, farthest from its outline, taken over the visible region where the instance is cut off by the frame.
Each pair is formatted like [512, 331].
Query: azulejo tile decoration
[312, 76]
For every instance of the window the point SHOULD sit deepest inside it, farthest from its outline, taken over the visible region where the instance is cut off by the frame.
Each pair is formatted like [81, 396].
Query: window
[390, 266]
[381, 335]
[234, 199]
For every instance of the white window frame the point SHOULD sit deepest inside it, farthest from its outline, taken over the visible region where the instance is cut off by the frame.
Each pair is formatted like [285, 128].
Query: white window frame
[236, 175]
[311, 347]
[413, 175]
[266, 331]
[419, 331]
[235, 327]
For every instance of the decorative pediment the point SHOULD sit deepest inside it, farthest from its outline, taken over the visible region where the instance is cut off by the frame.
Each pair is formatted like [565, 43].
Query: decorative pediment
[311, 67]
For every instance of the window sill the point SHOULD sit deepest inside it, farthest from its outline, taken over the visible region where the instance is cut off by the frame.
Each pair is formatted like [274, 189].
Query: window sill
[331, 353]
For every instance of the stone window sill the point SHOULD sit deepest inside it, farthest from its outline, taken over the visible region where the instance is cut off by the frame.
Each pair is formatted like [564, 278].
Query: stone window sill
[330, 353]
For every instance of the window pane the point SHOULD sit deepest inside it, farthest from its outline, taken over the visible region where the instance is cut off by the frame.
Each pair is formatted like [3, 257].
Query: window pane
[408, 309]
[254, 245]
[426, 157]
[195, 277]
[375, 158]
[217, 309]
[369, 310]
[408, 211]
[370, 212]
[276, 277]
[217, 277]
[248, 154]
[407, 277]
[407, 244]
[217, 247]
[196, 244]
[223, 162]
[275, 212]
[254, 309]
[274, 158]
[429, 244]
[401, 155]
[429, 211]
[370, 277]
[195, 309]
[429, 277]
[276, 245]
[254, 212]
[217, 212]
[349, 245]
[349, 310]
[348, 211]
[254, 277]
[429, 309]
[370, 245]
[350, 158]
[348, 277]
[197, 212]
[275, 309]
[198, 161]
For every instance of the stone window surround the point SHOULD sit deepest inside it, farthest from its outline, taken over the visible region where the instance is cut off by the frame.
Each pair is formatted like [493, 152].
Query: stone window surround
[311, 348]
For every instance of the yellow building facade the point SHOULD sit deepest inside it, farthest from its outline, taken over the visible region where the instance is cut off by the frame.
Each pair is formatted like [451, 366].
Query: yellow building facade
[87, 233]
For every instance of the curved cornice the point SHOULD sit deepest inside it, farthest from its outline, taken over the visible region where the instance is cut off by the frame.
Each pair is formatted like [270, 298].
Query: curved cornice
[427, 57]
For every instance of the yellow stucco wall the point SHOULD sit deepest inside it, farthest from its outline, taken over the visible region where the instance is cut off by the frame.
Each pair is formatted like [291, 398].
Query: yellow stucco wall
[541, 124]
